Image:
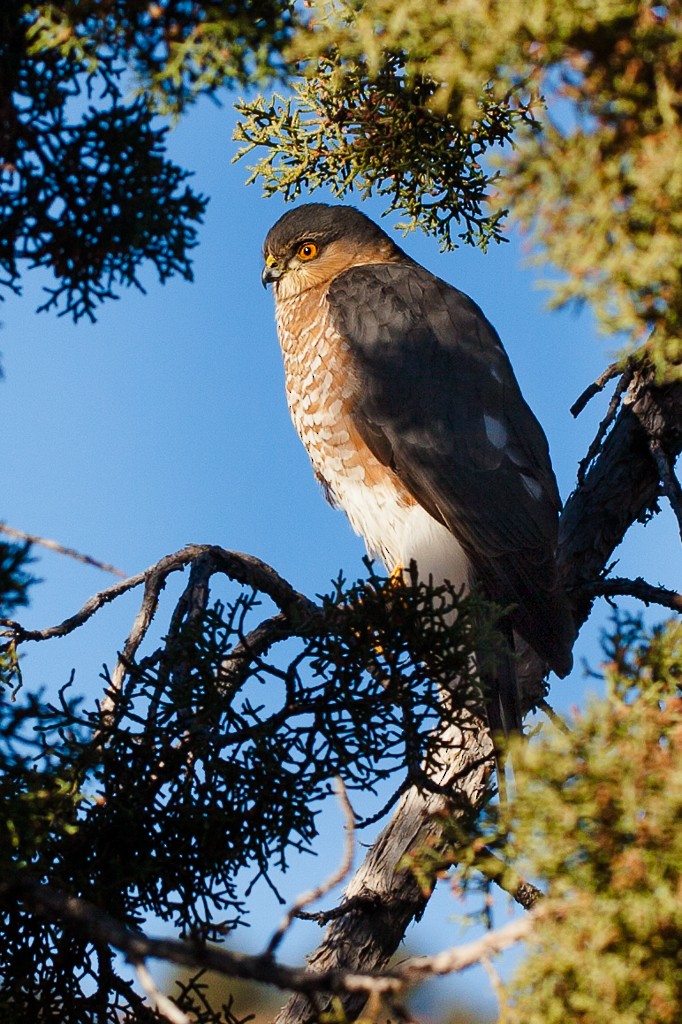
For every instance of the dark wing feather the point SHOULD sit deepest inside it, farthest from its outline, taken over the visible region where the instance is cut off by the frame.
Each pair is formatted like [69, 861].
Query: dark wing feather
[437, 401]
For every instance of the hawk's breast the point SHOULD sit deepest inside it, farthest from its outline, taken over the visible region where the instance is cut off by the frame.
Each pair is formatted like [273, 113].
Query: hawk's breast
[321, 384]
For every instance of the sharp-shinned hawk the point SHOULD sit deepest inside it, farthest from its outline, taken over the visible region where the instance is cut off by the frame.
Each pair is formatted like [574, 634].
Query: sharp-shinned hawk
[414, 422]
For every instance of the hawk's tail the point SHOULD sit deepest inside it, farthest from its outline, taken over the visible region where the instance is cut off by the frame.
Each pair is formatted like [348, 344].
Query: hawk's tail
[503, 697]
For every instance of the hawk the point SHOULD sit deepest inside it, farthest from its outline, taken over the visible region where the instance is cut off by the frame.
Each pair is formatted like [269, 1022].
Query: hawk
[414, 422]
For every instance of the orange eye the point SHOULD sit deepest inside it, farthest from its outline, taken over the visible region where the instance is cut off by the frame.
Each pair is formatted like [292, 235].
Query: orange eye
[307, 251]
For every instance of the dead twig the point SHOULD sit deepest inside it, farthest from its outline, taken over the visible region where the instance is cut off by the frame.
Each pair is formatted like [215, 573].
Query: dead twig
[359, 902]
[253, 645]
[53, 545]
[343, 870]
[639, 588]
[19, 634]
[614, 405]
[451, 961]
[160, 1002]
[496, 870]
[671, 485]
[557, 721]
[598, 385]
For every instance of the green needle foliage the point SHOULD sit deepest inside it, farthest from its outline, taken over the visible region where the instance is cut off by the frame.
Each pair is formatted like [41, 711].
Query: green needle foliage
[598, 820]
[15, 583]
[589, 95]
[15, 579]
[579, 104]
[178, 48]
[208, 770]
[350, 132]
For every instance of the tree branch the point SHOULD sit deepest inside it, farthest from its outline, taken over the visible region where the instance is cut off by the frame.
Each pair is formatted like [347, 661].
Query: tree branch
[614, 370]
[84, 919]
[245, 569]
[53, 545]
[604, 426]
[671, 485]
[494, 868]
[614, 586]
[383, 895]
[451, 961]
[620, 488]
[160, 1002]
[338, 876]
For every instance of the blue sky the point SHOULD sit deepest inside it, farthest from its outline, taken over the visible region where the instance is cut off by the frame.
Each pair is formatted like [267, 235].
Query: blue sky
[165, 423]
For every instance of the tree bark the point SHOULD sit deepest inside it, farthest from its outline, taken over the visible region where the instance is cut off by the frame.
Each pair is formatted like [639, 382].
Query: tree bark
[384, 898]
[621, 487]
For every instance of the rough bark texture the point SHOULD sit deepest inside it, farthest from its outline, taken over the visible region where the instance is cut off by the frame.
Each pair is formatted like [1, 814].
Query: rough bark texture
[622, 486]
[384, 898]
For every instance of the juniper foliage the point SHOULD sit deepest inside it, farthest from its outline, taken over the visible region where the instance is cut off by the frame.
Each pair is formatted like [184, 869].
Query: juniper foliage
[208, 768]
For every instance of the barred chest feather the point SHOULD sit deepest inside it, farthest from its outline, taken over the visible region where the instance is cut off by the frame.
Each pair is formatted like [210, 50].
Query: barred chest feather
[321, 385]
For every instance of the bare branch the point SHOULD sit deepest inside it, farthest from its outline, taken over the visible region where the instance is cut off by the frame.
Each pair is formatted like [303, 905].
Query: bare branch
[497, 986]
[451, 961]
[616, 586]
[671, 485]
[496, 870]
[160, 1002]
[53, 545]
[614, 370]
[557, 721]
[95, 925]
[242, 568]
[206, 559]
[306, 898]
[254, 645]
[384, 895]
[18, 634]
[154, 582]
[603, 427]
[621, 486]
[358, 902]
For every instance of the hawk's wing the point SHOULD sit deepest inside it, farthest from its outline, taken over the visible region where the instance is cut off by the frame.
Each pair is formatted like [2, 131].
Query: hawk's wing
[438, 402]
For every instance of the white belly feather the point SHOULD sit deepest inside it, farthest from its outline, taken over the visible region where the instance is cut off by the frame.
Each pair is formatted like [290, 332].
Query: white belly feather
[397, 533]
[320, 385]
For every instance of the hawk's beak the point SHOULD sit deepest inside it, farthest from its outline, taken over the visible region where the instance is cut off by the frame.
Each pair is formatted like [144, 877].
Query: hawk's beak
[271, 271]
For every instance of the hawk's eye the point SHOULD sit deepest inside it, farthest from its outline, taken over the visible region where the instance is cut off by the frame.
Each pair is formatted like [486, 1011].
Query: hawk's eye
[307, 251]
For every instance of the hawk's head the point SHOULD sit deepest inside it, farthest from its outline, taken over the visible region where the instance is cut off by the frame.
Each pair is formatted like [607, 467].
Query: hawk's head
[312, 244]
